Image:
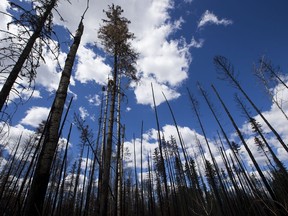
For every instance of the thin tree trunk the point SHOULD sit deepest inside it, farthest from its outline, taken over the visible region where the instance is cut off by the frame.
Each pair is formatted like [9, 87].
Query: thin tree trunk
[90, 184]
[210, 105]
[221, 63]
[118, 154]
[11, 164]
[269, 189]
[195, 108]
[136, 180]
[141, 170]
[161, 157]
[108, 152]
[103, 147]
[150, 188]
[59, 206]
[84, 184]
[61, 171]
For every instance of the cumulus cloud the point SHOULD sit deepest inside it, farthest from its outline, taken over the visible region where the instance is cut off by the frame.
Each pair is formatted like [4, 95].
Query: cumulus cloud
[210, 18]
[91, 67]
[35, 115]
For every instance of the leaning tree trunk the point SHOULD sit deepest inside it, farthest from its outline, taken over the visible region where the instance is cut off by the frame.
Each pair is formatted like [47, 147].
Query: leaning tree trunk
[41, 177]
[161, 156]
[195, 109]
[221, 62]
[258, 130]
[4, 93]
[210, 105]
[263, 178]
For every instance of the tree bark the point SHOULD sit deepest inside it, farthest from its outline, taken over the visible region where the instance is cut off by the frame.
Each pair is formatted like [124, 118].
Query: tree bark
[107, 160]
[41, 177]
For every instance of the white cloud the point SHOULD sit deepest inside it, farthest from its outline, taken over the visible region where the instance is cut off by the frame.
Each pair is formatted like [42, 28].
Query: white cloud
[83, 112]
[35, 115]
[94, 100]
[166, 61]
[210, 18]
[48, 76]
[91, 67]
[196, 44]
[143, 92]
[4, 18]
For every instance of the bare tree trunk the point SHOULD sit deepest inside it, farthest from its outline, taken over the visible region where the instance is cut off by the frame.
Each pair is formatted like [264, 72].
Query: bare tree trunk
[141, 170]
[161, 157]
[59, 206]
[41, 177]
[74, 203]
[61, 171]
[223, 64]
[108, 152]
[195, 109]
[103, 147]
[258, 131]
[9, 171]
[212, 183]
[84, 184]
[210, 105]
[151, 202]
[95, 152]
[117, 185]
[269, 189]
[136, 180]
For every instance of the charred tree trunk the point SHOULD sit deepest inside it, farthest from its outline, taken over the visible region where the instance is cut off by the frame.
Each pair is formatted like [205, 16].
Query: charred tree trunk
[41, 177]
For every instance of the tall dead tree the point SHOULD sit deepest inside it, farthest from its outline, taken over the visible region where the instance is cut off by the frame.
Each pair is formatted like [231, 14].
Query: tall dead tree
[115, 37]
[42, 172]
[263, 178]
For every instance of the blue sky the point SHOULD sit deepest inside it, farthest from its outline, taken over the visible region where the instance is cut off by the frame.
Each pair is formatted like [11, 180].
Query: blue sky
[177, 41]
